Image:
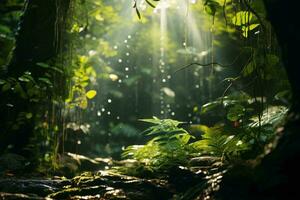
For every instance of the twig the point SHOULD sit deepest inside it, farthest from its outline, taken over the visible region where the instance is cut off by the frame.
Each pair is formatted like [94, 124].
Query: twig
[209, 64]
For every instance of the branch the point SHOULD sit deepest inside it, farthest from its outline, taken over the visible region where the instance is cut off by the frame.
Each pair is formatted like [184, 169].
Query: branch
[209, 64]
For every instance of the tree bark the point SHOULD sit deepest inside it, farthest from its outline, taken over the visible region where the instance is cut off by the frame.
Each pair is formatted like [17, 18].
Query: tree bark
[38, 39]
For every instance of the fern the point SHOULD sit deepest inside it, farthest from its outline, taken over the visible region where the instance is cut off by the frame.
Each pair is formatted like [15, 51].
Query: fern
[215, 142]
[167, 148]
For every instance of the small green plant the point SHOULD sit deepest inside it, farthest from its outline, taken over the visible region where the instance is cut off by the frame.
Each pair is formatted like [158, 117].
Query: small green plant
[216, 142]
[82, 77]
[167, 148]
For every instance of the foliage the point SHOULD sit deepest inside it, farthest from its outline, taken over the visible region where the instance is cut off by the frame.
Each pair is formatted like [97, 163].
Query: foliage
[118, 69]
[168, 147]
[217, 143]
[82, 77]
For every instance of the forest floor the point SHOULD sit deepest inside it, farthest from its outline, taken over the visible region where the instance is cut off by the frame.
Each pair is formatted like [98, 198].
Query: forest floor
[99, 184]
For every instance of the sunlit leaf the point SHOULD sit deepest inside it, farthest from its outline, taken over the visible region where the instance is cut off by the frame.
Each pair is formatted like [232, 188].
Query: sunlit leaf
[242, 18]
[83, 104]
[91, 94]
[209, 106]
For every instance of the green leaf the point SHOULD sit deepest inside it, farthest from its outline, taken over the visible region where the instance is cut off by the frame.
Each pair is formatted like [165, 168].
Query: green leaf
[253, 26]
[211, 7]
[24, 79]
[155, 120]
[272, 59]
[2, 82]
[28, 115]
[6, 87]
[242, 18]
[235, 113]
[43, 65]
[248, 70]
[45, 80]
[246, 29]
[209, 106]
[91, 94]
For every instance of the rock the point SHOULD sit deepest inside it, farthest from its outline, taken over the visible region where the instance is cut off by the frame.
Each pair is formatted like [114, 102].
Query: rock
[12, 163]
[38, 187]
[10, 196]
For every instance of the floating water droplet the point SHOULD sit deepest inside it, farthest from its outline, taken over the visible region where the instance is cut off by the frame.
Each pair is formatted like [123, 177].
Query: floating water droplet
[125, 41]
[126, 76]
[92, 52]
[164, 80]
[168, 106]
[120, 81]
[162, 112]
[197, 86]
[102, 109]
[120, 60]
[126, 68]
[173, 113]
[109, 100]
[127, 54]
[118, 117]
[129, 36]
[78, 142]
[189, 115]
[108, 113]
[128, 46]
[99, 113]
[184, 44]
[115, 47]
[113, 77]
[169, 77]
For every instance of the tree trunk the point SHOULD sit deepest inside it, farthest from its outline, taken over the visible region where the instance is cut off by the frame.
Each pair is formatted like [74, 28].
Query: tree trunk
[284, 18]
[38, 39]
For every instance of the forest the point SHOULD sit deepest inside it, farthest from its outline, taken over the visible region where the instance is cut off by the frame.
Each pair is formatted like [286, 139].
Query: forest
[149, 99]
